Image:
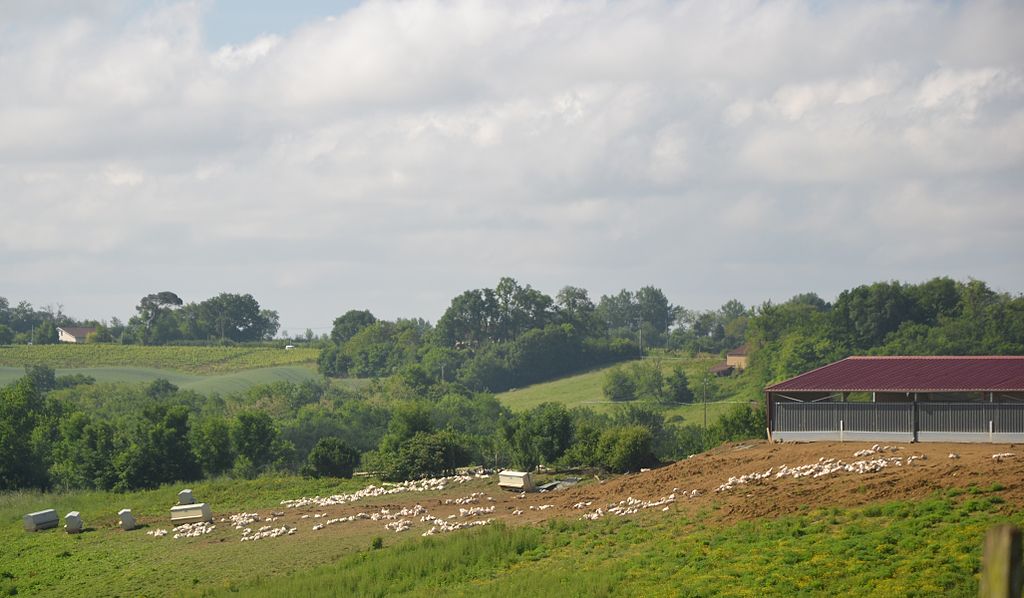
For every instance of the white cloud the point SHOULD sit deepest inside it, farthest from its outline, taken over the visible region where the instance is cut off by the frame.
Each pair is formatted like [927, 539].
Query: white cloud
[232, 58]
[401, 152]
[119, 176]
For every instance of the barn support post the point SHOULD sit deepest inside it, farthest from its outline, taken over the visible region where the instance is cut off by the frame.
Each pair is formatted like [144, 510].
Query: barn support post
[1002, 575]
[916, 425]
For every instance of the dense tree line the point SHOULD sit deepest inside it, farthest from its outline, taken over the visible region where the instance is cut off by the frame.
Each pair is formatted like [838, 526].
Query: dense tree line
[160, 318]
[164, 317]
[23, 323]
[938, 317]
[494, 339]
[71, 432]
[426, 413]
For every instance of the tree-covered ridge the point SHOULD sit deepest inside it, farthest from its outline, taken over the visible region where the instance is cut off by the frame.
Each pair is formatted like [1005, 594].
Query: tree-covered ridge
[487, 339]
[160, 318]
[70, 432]
[938, 317]
[425, 414]
[513, 335]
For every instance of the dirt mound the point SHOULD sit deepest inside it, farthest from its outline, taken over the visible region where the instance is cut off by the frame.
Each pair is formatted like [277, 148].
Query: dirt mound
[735, 482]
[904, 471]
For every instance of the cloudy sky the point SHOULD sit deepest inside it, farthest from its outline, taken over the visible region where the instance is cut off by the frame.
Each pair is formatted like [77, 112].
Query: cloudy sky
[389, 155]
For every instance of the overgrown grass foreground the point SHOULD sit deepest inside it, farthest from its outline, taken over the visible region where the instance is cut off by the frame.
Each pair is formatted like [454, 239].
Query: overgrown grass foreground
[198, 360]
[105, 561]
[927, 548]
[909, 548]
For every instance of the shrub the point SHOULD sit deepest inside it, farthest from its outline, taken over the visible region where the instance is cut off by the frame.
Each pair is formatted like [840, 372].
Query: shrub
[618, 385]
[741, 422]
[331, 457]
[423, 455]
[625, 448]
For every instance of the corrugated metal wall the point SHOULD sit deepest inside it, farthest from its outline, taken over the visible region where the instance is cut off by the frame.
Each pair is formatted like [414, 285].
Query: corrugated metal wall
[935, 421]
[826, 417]
[970, 417]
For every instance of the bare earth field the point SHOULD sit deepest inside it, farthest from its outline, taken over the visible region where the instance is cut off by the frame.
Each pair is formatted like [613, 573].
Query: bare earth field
[704, 474]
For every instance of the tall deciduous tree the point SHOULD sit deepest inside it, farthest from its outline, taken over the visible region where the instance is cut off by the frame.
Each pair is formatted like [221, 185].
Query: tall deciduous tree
[351, 322]
[22, 456]
[236, 317]
[331, 457]
[153, 310]
[253, 438]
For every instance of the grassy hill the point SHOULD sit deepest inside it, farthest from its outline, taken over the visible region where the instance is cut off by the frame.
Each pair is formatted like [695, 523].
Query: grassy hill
[205, 370]
[584, 390]
[913, 529]
[194, 360]
[219, 383]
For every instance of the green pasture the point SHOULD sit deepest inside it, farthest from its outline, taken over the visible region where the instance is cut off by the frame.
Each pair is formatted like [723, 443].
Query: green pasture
[929, 547]
[194, 360]
[584, 390]
[106, 561]
[925, 548]
[214, 383]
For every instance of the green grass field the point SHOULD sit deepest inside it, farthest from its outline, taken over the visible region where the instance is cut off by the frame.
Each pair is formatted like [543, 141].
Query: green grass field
[926, 548]
[584, 390]
[193, 360]
[929, 547]
[219, 383]
[205, 370]
[107, 561]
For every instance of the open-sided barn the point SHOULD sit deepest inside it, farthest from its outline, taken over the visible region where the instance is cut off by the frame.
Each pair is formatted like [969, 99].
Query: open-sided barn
[935, 398]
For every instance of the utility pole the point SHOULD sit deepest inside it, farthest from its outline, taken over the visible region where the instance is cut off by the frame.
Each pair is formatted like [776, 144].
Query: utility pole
[640, 330]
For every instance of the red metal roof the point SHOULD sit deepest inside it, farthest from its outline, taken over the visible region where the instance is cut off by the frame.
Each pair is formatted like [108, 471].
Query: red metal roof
[77, 331]
[739, 351]
[911, 374]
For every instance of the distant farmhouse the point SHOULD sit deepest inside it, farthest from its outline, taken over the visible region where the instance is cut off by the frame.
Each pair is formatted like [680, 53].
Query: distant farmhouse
[735, 361]
[737, 358]
[902, 399]
[73, 335]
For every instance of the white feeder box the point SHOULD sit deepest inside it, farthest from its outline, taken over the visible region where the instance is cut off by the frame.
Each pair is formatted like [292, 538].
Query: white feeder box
[127, 520]
[516, 480]
[41, 520]
[73, 523]
[193, 513]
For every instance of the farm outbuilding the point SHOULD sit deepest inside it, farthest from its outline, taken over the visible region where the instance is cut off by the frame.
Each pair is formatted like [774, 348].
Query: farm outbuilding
[907, 399]
[73, 334]
[737, 357]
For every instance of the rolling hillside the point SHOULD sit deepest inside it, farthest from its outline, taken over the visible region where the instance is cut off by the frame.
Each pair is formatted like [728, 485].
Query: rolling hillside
[903, 520]
[585, 390]
[205, 370]
[219, 383]
[193, 360]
